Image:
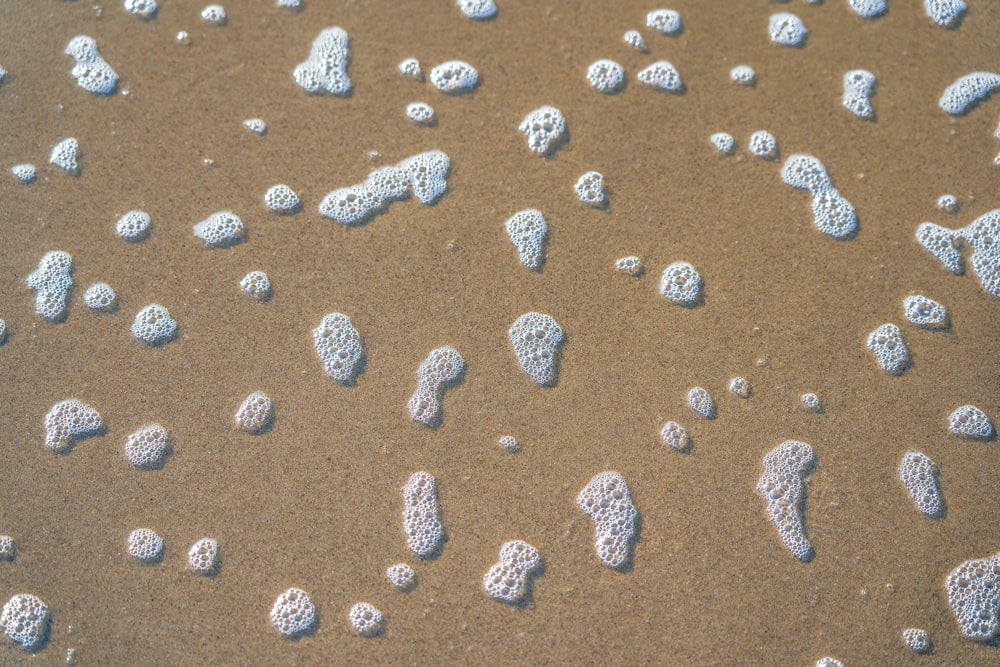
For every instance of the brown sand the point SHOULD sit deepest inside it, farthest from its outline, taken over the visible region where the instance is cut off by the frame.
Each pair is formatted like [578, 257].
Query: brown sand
[315, 503]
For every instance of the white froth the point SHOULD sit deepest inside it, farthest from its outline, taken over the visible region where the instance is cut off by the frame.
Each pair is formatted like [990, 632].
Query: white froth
[282, 199]
[8, 550]
[859, 86]
[740, 386]
[68, 421]
[832, 213]
[811, 402]
[26, 173]
[101, 297]
[664, 21]
[147, 447]
[630, 266]
[783, 488]
[401, 576]
[701, 402]
[422, 515]
[478, 10]
[52, 282]
[920, 477]
[889, 347]
[946, 13]
[682, 285]
[255, 414]
[365, 619]
[971, 423]
[420, 113]
[509, 444]
[154, 326]
[764, 145]
[940, 242]
[454, 77]
[982, 235]
[606, 499]
[142, 8]
[675, 437]
[634, 39]
[663, 76]
[25, 620]
[509, 580]
[293, 613]
[743, 75]
[537, 340]
[606, 76]
[949, 203]
[974, 595]
[786, 29]
[256, 285]
[66, 156]
[325, 70]
[925, 312]
[145, 545]
[544, 127]
[410, 68]
[917, 640]
[723, 142]
[442, 368]
[203, 556]
[215, 14]
[869, 9]
[339, 347]
[968, 91]
[590, 189]
[528, 230]
[91, 71]
[256, 125]
[134, 226]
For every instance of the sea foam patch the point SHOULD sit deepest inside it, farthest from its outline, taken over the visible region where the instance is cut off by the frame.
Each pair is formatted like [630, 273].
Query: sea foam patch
[920, 477]
[968, 91]
[869, 9]
[221, 230]
[537, 340]
[154, 326]
[52, 282]
[664, 21]
[606, 76]
[682, 285]
[422, 515]
[339, 347]
[859, 86]
[69, 421]
[606, 499]
[25, 620]
[974, 595]
[783, 488]
[454, 77]
[442, 369]
[325, 70]
[478, 10]
[787, 29]
[91, 71]
[662, 75]
[891, 352]
[66, 156]
[509, 579]
[528, 230]
[946, 13]
[544, 127]
[832, 213]
[293, 613]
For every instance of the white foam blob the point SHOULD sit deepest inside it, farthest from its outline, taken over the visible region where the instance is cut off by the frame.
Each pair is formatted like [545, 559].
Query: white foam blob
[255, 414]
[675, 437]
[203, 556]
[401, 576]
[26, 173]
[256, 285]
[145, 9]
[52, 282]
[983, 235]
[682, 285]
[91, 71]
[743, 75]
[741, 387]
[294, 613]
[940, 242]
[974, 595]
[509, 444]
[868, 9]
[68, 421]
[509, 580]
[920, 477]
[917, 640]
[764, 145]
[544, 127]
[478, 10]
[925, 312]
[282, 199]
[783, 488]
[528, 230]
[442, 368]
[606, 76]
[420, 113]
[630, 265]
[949, 203]
[365, 619]
[859, 86]
[147, 447]
[971, 423]
[145, 545]
[325, 70]
[946, 13]
[454, 77]
[701, 402]
[101, 297]
[410, 68]
[811, 402]
[786, 29]
[968, 91]
[154, 326]
[256, 125]
[339, 347]
[634, 39]
[832, 213]
[134, 226]
[422, 515]
[66, 156]
[889, 347]
[664, 21]
[8, 550]
[214, 14]
[25, 620]
[221, 230]
[590, 189]
[606, 499]
[663, 76]
[723, 142]
[537, 340]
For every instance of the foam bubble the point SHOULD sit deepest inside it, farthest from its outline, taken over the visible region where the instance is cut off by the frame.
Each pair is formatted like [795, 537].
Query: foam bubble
[787, 29]
[26, 173]
[723, 142]
[741, 387]
[69, 421]
[410, 68]
[832, 213]
[282, 199]
[606, 500]
[682, 285]
[422, 515]
[25, 620]
[203, 556]
[221, 230]
[764, 145]
[528, 230]
[606, 76]
[478, 10]
[925, 312]
[859, 86]
[544, 127]
[52, 282]
[634, 39]
[256, 125]
[442, 368]
[294, 613]
[811, 402]
[145, 545]
[983, 235]
[630, 266]
[509, 580]
[829, 662]
[255, 413]
[290, 4]
[662, 75]
[401, 576]
[66, 156]
[366, 620]
[147, 447]
[101, 297]
[675, 437]
[949, 203]
[664, 21]
[339, 347]
[142, 8]
[968, 91]
[8, 550]
[869, 9]
[940, 242]
[743, 75]
[783, 487]
[946, 13]
[91, 71]
[701, 402]
[420, 113]
[134, 226]
[325, 70]
[454, 77]
[590, 189]
[970, 422]
[215, 14]
[920, 477]
[509, 444]
[891, 352]
[256, 285]
[537, 340]
[154, 326]
[917, 640]
[974, 595]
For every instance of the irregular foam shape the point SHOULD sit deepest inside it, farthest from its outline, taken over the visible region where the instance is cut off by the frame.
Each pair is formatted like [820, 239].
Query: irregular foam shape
[783, 487]
[290, 4]
[401, 576]
[805, 172]
[811, 402]
[970, 422]
[134, 226]
[974, 595]
[256, 125]
[215, 14]
[606, 500]
[66, 156]
[325, 70]
[986, 266]
[859, 86]
[255, 413]
[351, 205]
[723, 142]
[946, 13]
[442, 368]
[948, 203]
[590, 189]
[829, 662]
[787, 29]
[153, 325]
[983, 234]
[454, 77]
[339, 347]
[52, 282]
[675, 437]
[681, 284]
[478, 10]
[890, 349]
[764, 145]
[634, 39]
[509, 444]
[832, 213]
[420, 113]
[743, 75]
[917, 640]
[527, 231]
[366, 619]
[740, 386]
[537, 340]
[701, 402]
[148, 447]
[256, 285]
[869, 9]
[422, 515]
[221, 230]
[968, 91]
[664, 21]
[630, 266]
[663, 76]
[940, 242]
[925, 312]
[25, 620]
[100, 297]
[410, 68]
[606, 76]
[69, 421]
[203, 556]
[293, 613]
[26, 173]
[91, 71]
[920, 477]
[509, 580]
[544, 127]
[282, 199]
[8, 550]
[145, 545]
[142, 8]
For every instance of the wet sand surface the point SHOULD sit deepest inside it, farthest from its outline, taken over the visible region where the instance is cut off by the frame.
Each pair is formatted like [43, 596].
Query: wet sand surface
[315, 502]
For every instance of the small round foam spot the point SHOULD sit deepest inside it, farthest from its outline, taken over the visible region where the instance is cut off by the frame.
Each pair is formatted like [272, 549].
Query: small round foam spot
[891, 352]
[147, 447]
[282, 199]
[740, 386]
[420, 113]
[203, 556]
[811, 402]
[743, 75]
[590, 189]
[154, 326]
[454, 77]
[634, 39]
[974, 595]
[134, 226]
[675, 437]
[145, 545]
[544, 127]
[917, 640]
[255, 413]
[606, 76]
[366, 619]
[69, 421]
[100, 297]
[293, 613]
[256, 285]
[971, 423]
[509, 580]
[786, 29]
[664, 21]
[25, 620]
[537, 340]
[509, 444]
[8, 550]
[682, 285]
[920, 477]
[339, 347]
[401, 576]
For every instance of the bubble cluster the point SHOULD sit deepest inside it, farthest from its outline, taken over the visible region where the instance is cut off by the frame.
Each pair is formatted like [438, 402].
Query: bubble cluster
[256, 285]
[786, 29]
[630, 265]
[221, 230]
[325, 70]
[634, 39]
[948, 203]
[293, 613]
[537, 340]
[859, 86]
[256, 125]
[606, 76]
[811, 402]
[544, 127]
[509, 444]
[422, 515]
[153, 325]
[282, 199]
[420, 113]
[7, 547]
[764, 145]
[66, 156]
[983, 235]
[606, 500]
[69, 421]
[743, 75]
[869, 9]
[590, 189]
[147, 447]
[701, 402]
[91, 71]
[891, 352]
[940, 242]
[401, 576]
[255, 413]
[682, 285]
[946, 13]
[528, 230]
[829, 662]
[974, 595]
[410, 68]
[478, 10]
[664, 21]
[52, 282]
[214, 14]
[101, 297]
[142, 8]
[970, 422]
[675, 437]
[783, 487]
[917, 640]
[134, 226]
[832, 213]
[662, 75]
[366, 620]
[968, 91]
[723, 142]
[339, 347]
[509, 580]
[203, 556]
[25, 620]
[920, 477]
[454, 77]
[925, 312]
[442, 368]
[740, 386]
[145, 545]
[25, 173]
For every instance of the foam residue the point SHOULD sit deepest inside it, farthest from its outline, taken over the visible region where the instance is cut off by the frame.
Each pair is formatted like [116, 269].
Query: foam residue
[786, 29]
[832, 213]
[889, 347]
[664, 21]
[325, 70]
[214, 14]
[925, 312]
[294, 613]
[974, 595]
[544, 127]
[401, 576]
[145, 545]
[134, 226]
[478, 10]
[811, 402]
[946, 13]
[203, 556]
[442, 368]
[940, 242]
[52, 282]
[743, 75]
[949, 203]
[537, 340]
[741, 387]
[69, 421]
[256, 285]
[869, 9]
[606, 499]
[282, 199]
[968, 91]
[147, 447]
[971, 423]
[255, 413]
[422, 515]
[25, 620]
[410, 68]
[509, 580]
[145, 9]
[420, 113]
[527, 230]
[920, 477]
[663, 76]
[682, 285]
[339, 347]
[634, 39]
[606, 76]
[701, 402]
[723, 142]
[764, 145]
[859, 86]
[783, 487]
[26, 173]
[630, 265]
[365, 619]
[154, 326]
[91, 71]
[256, 125]
[590, 190]
[66, 156]
[454, 77]
[917, 640]
[675, 437]
[221, 230]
